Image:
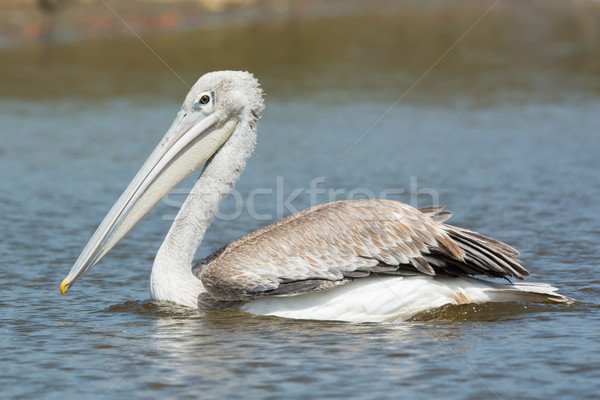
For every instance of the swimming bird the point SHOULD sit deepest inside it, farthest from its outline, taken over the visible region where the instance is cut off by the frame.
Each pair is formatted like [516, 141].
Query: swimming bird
[350, 260]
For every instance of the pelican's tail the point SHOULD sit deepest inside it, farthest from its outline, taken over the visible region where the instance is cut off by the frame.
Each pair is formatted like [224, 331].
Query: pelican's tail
[527, 292]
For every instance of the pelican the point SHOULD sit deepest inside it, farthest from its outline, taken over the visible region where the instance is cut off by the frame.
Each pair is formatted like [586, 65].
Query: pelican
[352, 260]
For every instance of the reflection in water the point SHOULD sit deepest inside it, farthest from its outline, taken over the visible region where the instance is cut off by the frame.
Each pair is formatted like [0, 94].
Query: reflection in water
[218, 348]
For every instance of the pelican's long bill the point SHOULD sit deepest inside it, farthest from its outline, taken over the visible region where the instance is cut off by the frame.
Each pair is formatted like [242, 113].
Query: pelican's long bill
[189, 143]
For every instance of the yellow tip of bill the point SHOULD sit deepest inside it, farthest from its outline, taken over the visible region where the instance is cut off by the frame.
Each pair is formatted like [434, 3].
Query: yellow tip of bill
[63, 287]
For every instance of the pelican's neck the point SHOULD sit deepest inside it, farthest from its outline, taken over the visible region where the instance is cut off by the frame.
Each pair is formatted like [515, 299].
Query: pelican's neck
[172, 278]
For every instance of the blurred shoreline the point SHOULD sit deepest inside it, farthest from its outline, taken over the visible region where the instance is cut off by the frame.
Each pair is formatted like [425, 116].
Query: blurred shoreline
[546, 48]
[30, 22]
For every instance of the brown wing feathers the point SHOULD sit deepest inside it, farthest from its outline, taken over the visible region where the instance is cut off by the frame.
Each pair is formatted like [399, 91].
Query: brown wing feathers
[457, 252]
[491, 257]
[335, 243]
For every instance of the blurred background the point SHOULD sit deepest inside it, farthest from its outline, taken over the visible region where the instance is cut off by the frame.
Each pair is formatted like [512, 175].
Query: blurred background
[492, 106]
[68, 48]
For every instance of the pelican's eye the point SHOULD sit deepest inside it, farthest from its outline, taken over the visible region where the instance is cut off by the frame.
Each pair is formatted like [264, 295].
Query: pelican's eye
[204, 102]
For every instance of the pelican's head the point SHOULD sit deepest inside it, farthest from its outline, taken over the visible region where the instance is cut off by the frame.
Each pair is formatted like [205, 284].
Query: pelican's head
[228, 94]
[212, 111]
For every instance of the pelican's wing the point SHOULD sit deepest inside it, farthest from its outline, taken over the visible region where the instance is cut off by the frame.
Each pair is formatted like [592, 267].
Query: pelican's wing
[334, 243]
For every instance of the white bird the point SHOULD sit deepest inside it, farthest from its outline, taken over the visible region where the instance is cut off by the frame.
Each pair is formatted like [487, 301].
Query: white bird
[353, 260]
